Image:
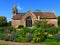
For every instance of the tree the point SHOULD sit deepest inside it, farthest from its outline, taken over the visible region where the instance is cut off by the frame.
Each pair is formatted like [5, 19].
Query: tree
[58, 20]
[3, 21]
[9, 23]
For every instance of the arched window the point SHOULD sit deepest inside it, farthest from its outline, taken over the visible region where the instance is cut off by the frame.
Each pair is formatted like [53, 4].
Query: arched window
[28, 22]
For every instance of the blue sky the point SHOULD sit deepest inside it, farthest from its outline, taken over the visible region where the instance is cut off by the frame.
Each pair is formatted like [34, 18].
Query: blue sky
[24, 5]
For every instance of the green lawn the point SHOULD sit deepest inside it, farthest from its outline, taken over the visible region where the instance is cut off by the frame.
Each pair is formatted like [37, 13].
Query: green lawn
[52, 43]
[4, 44]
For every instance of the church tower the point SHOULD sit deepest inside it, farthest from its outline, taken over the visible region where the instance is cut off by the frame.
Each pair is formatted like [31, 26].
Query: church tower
[14, 10]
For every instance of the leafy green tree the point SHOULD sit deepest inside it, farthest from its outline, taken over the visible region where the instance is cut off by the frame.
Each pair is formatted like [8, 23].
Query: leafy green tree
[58, 20]
[3, 21]
[9, 23]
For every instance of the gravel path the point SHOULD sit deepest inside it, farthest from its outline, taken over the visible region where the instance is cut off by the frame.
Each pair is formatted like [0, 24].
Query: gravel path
[16, 43]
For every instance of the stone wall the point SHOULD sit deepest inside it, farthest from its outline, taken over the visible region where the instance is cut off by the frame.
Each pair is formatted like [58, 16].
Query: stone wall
[16, 23]
[53, 21]
[33, 17]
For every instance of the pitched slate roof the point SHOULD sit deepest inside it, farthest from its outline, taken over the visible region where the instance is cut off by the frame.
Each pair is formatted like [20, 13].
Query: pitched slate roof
[41, 14]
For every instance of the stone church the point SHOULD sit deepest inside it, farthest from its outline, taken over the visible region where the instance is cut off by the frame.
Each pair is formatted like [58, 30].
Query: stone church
[27, 19]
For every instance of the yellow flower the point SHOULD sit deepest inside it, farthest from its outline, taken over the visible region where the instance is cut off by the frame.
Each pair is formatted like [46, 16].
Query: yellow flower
[39, 33]
[59, 32]
[34, 38]
[50, 35]
[45, 33]
[9, 34]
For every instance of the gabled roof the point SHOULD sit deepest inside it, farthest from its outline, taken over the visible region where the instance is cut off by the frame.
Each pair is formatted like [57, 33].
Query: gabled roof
[49, 15]
[45, 14]
[18, 16]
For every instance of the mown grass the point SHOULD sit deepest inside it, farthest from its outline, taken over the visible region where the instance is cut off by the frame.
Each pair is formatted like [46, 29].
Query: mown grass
[51, 43]
[4, 44]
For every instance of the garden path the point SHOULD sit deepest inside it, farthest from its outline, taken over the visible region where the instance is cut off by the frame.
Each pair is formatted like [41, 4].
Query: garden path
[16, 43]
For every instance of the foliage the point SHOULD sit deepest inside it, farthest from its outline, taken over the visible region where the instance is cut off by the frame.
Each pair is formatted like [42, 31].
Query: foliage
[29, 37]
[11, 29]
[50, 36]
[57, 37]
[6, 30]
[1, 36]
[3, 21]
[7, 33]
[9, 23]
[20, 39]
[58, 29]
[39, 24]
[24, 35]
[52, 30]
[50, 25]
[9, 37]
[2, 29]
[20, 26]
[35, 34]
[58, 20]
[38, 36]
[49, 40]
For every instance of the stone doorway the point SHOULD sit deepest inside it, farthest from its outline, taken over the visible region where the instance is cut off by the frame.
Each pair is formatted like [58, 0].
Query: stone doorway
[28, 22]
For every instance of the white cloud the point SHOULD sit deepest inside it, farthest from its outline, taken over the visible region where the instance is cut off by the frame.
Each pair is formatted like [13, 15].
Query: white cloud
[19, 8]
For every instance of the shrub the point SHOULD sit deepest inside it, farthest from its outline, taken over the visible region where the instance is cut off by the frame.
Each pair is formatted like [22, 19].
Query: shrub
[29, 37]
[58, 28]
[2, 29]
[50, 25]
[1, 35]
[50, 36]
[5, 37]
[39, 24]
[38, 36]
[13, 36]
[52, 30]
[57, 37]
[24, 38]
[9, 37]
[11, 29]
[50, 40]
[25, 30]
[24, 35]
[33, 30]
[20, 26]
[20, 39]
